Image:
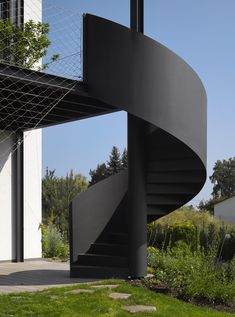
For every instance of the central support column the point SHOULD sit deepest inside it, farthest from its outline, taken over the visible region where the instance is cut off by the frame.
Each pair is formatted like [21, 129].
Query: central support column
[19, 198]
[137, 208]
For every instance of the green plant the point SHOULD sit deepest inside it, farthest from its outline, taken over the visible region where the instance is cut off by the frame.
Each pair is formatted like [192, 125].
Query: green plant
[53, 243]
[24, 45]
[193, 276]
[61, 302]
[199, 229]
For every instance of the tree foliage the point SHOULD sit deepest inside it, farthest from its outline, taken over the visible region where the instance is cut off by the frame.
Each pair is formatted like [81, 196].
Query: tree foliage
[57, 193]
[223, 180]
[115, 164]
[24, 45]
[124, 159]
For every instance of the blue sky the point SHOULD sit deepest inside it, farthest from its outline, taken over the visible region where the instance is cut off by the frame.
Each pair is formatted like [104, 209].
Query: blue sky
[202, 33]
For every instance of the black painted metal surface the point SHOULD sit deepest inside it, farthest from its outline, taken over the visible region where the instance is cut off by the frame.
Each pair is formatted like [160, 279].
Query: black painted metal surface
[18, 190]
[30, 99]
[123, 70]
[132, 72]
[137, 207]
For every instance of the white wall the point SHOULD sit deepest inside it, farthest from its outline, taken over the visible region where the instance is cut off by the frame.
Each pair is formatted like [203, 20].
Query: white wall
[226, 210]
[5, 197]
[32, 194]
[32, 166]
[33, 10]
[32, 179]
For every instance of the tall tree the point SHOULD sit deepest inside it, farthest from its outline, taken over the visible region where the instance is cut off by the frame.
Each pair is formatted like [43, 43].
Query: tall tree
[57, 193]
[124, 159]
[101, 172]
[24, 45]
[223, 178]
[114, 164]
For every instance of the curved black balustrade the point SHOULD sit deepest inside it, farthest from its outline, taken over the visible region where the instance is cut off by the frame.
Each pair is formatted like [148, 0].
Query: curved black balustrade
[131, 72]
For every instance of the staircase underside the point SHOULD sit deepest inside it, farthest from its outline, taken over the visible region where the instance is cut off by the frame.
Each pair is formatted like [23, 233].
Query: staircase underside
[30, 99]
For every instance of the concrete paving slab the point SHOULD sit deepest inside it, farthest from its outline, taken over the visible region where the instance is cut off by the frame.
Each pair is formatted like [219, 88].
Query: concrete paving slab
[139, 309]
[81, 291]
[36, 275]
[105, 286]
[119, 295]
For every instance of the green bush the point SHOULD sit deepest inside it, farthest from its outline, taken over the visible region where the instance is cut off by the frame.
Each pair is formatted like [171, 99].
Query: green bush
[198, 229]
[193, 275]
[53, 243]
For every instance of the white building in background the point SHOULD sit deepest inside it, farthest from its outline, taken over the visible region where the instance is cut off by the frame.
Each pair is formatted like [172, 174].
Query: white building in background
[20, 11]
[225, 210]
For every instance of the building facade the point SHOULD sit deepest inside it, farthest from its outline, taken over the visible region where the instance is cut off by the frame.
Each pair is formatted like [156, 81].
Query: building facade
[225, 210]
[19, 12]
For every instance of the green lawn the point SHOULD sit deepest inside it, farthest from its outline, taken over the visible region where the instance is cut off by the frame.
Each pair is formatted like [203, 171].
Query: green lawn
[55, 302]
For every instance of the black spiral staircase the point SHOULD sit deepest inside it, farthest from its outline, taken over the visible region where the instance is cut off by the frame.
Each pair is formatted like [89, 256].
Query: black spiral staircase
[133, 73]
[166, 105]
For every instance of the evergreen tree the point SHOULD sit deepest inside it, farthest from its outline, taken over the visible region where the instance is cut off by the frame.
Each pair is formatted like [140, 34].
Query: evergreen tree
[101, 172]
[114, 164]
[124, 159]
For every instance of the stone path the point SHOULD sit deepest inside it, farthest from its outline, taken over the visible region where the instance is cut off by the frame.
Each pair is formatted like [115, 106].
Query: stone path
[31, 276]
[105, 286]
[123, 296]
[139, 308]
[80, 291]
[119, 295]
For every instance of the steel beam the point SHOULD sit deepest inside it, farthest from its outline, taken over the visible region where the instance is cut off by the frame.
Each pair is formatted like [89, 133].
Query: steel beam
[137, 208]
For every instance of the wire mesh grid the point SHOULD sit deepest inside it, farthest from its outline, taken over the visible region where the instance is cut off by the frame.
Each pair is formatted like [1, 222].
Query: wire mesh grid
[39, 42]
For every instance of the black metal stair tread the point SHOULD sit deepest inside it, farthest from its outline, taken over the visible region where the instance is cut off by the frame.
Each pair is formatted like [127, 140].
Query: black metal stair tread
[107, 248]
[169, 188]
[174, 159]
[166, 203]
[161, 210]
[157, 212]
[152, 168]
[102, 260]
[157, 155]
[98, 266]
[179, 193]
[102, 255]
[118, 238]
[86, 271]
[176, 181]
[108, 244]
[119, 233]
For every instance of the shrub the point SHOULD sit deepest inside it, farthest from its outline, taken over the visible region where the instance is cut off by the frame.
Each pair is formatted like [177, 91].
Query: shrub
[200, 230]
[193, 275]
[53, 243]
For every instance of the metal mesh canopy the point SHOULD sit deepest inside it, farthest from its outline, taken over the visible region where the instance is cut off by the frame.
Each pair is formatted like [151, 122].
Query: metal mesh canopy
[46, 89]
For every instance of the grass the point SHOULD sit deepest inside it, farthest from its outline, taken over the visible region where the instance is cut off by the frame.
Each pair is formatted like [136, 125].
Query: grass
[56, 302]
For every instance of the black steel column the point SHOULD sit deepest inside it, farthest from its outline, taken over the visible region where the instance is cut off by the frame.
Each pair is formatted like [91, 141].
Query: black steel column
[19, 198]
[136, 168]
